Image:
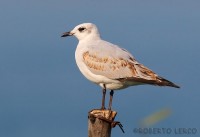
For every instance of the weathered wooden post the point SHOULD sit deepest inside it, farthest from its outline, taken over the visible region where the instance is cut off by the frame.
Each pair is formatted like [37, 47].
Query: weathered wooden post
[100, 123]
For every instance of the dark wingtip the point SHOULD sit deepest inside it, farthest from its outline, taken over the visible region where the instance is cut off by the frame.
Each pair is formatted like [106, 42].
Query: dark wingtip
[174, 85]
[166, 82]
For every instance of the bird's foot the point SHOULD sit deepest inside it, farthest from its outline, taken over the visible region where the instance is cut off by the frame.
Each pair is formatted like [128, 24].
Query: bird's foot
[103, 108]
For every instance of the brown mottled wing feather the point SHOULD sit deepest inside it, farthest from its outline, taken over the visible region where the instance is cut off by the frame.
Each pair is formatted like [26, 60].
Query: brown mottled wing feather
[149, 77]
[123, 69]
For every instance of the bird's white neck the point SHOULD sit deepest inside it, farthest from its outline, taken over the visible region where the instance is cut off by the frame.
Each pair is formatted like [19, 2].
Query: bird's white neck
[92, 37]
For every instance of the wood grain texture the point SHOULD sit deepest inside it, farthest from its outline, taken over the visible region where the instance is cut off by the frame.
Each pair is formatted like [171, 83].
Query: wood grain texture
[99, 122]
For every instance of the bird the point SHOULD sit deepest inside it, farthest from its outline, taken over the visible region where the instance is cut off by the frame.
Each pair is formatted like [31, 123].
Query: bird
[108, 65]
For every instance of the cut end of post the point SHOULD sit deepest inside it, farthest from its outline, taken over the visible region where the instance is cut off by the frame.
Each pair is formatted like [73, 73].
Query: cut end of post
[100, 123]
[104, 114]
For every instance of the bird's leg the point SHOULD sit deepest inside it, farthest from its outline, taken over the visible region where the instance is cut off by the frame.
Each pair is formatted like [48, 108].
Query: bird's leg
[111, 97]
[103, 98]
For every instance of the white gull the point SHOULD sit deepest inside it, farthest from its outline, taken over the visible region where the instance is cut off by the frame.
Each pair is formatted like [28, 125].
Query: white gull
[108, 65]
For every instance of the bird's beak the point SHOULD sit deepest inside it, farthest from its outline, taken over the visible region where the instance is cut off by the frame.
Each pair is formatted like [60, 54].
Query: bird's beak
[65, 34]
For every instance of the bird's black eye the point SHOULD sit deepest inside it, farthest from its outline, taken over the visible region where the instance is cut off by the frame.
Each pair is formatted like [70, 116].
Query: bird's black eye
[81, 29]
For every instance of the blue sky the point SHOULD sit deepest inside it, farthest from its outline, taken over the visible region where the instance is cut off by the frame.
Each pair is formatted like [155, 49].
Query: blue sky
[42, 92]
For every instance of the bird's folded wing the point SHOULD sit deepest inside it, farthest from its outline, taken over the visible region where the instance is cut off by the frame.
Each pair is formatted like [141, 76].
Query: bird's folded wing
[117, 67]
[123, 68]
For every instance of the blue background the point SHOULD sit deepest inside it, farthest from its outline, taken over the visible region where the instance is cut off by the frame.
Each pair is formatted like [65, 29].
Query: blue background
[42, 92]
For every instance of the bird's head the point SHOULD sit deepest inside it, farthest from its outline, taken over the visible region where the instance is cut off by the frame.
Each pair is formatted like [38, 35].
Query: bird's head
[83, 31]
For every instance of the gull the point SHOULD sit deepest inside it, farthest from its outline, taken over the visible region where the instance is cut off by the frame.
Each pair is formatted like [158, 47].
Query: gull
[108, 65]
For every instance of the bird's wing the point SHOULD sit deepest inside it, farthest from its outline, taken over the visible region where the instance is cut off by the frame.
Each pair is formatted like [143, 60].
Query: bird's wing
[116, 63]
[116, 68]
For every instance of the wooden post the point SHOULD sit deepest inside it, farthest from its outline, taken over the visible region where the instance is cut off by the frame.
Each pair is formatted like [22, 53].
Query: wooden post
[100, 122]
